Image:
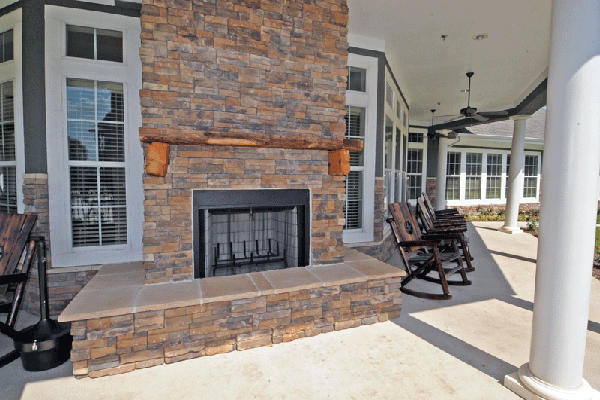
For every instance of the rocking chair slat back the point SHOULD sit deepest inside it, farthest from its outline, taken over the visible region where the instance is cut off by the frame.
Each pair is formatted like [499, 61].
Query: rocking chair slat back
[14, 233]
[424, 214]
[407, 228]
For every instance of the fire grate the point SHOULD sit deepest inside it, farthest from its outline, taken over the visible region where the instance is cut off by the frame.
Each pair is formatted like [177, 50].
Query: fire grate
[252, 242]
[240, 231]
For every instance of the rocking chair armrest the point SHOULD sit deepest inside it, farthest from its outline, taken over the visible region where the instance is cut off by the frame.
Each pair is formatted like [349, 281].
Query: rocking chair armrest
[453, 217]
[444, 236]
[447, 211]
[445, 231]
[414, 243]
[446, 222]
[13, 278]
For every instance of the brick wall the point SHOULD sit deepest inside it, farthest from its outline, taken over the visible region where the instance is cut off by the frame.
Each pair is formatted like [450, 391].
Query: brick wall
[266, 67]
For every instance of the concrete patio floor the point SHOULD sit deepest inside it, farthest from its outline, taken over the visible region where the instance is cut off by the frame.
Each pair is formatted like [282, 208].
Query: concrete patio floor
[456, 349]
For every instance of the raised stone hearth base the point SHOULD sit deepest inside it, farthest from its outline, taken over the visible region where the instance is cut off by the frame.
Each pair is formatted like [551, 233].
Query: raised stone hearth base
[119, 324]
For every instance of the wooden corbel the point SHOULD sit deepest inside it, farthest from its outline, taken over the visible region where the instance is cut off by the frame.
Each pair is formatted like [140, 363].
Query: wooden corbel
[157, 158]
[339, 162]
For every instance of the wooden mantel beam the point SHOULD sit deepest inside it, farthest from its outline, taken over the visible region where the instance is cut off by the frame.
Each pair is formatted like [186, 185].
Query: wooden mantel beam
[195, 137]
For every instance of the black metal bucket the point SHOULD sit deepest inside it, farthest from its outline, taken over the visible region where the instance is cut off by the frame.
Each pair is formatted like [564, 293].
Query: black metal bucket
[47, 344]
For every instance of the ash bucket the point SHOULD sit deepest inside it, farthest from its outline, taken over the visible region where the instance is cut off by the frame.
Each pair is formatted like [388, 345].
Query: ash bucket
[46, 344]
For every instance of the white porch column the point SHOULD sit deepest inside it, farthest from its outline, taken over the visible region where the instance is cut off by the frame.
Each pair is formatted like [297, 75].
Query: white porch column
[568, 207]
[515, 175]
[440, 182]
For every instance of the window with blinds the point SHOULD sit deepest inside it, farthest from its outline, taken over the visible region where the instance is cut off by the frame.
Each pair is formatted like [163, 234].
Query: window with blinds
[453, 176]
[8, 162]
[531, 176]
[95, 130]
[494, 176]
[473, 180]
[353, 207]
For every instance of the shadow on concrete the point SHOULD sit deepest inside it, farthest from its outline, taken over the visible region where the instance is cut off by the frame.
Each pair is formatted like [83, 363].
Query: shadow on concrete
[13, 377]
[515, 256]
[475, 357]
[489, 283]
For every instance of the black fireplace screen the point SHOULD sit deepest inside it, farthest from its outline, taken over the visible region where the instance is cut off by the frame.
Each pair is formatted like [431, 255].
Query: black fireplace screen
[240, 231]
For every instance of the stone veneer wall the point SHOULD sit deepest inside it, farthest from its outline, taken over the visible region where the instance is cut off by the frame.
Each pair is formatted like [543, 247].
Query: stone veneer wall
[261, 67]
[379, 209]
[382, 250]
[119, 344]
[168, 253]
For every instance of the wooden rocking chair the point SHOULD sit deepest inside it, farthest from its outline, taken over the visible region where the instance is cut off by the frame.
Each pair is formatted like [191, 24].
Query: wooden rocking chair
[15, 239]
[448, 212]
[422, 255]
[453, 229]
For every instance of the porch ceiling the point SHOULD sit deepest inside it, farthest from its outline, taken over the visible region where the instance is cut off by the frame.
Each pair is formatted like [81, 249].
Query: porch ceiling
[508, 65]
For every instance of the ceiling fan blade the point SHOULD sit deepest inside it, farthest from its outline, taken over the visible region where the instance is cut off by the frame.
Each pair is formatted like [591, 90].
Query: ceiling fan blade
[480, 117]
[502, 113]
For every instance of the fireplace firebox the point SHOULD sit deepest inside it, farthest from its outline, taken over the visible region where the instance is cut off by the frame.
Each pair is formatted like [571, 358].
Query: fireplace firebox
[240, 231]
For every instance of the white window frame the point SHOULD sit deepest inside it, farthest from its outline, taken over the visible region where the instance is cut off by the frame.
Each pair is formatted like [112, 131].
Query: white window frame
[13, 71]
[367, 100]
[485, 201]
[423, 146]
[59, 67]
[391, 192]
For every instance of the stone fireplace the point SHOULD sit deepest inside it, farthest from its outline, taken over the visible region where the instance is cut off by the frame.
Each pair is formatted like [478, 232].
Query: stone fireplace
[241, 231]
[248, 96]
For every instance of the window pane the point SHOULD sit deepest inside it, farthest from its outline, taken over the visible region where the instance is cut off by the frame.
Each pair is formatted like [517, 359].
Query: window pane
[84, 206]
[81, 99]
[398, 110]
[110, 102]
[473, 188]
[452, 188]
[398, 150]
[493, 187]
[95, 129]
[7, 46]
[530, 172]
[415, 137]
[356, 79]
[80, 42]
[414, 186]
[494, 174]
[110, 45]
[389, 141]
[473, 164]
[453, 165]
[355, 129]
[98, 212]
[112, 206]
[473, 172]
[415, 161]
[7, 150]
[353, 206]
[389, 95]
[8, 189]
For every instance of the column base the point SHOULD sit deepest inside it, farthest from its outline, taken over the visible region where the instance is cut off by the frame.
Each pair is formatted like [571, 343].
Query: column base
[529, 387]
[513, 230]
